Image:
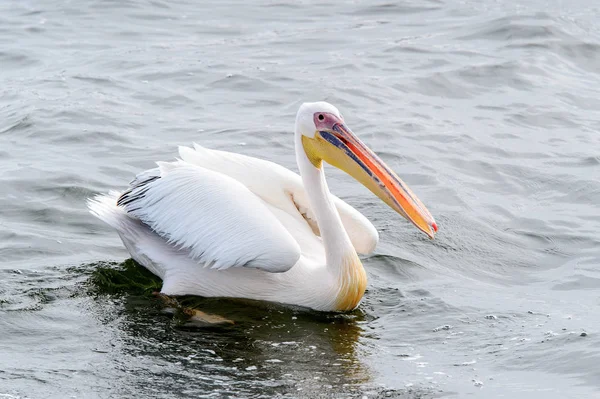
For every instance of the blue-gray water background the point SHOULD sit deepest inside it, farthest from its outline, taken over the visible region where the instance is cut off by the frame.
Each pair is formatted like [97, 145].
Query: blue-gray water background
[488, 109]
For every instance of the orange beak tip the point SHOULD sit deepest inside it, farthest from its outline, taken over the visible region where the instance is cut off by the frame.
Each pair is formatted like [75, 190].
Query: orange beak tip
[435, 228]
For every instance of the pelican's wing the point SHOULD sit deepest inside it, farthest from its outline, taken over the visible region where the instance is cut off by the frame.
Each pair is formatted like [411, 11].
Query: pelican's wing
[212, 216]
[281, 188]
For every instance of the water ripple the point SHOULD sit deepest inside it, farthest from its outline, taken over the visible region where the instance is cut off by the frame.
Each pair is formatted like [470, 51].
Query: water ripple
[488, 110]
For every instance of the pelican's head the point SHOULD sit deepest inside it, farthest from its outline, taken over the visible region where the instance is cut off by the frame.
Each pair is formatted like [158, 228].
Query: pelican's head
[325, 137]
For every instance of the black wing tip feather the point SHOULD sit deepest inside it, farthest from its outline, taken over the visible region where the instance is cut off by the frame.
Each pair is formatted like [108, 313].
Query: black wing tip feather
[137, 191]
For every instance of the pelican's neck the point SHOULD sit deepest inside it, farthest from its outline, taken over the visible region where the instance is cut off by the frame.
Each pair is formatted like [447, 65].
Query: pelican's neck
[341, 258]
[338, 246]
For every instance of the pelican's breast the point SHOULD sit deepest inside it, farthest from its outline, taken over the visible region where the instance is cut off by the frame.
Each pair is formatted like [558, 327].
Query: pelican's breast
[352, 281]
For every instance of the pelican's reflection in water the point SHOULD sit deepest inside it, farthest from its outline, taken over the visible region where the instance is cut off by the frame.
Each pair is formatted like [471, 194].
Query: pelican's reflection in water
[271, 350]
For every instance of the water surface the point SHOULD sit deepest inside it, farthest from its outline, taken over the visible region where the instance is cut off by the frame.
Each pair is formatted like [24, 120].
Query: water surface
[489, 110]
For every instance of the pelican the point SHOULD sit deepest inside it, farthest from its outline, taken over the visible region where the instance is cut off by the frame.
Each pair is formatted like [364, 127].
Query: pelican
[221, 224]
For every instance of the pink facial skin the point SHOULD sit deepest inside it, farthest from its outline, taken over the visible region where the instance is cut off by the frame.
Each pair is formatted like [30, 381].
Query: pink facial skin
[327, 122]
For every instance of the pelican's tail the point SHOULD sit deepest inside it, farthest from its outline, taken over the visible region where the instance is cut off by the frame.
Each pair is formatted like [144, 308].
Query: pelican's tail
[104, 207]
[136, 236]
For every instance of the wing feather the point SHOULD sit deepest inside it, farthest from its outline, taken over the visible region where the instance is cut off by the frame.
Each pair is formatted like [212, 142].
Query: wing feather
[216, 218]
[282, 188]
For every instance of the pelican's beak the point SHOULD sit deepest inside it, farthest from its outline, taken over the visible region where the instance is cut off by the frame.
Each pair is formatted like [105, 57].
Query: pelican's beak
[339, 147]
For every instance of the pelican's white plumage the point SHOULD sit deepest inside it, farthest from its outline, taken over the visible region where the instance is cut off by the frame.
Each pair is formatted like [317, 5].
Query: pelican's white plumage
[281, 188]
[215, 223]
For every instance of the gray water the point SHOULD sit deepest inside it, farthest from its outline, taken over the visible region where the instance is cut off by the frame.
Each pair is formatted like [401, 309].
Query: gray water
[488, 109]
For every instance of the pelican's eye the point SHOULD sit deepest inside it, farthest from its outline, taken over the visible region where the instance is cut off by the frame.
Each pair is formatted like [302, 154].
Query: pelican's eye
[321, 117]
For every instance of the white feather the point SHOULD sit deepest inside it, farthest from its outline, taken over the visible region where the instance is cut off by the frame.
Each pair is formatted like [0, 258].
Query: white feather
[200, 210]
[282, 188]
[307, 284]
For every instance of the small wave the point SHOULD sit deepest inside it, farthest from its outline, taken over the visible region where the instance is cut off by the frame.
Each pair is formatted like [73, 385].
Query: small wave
[512, 28]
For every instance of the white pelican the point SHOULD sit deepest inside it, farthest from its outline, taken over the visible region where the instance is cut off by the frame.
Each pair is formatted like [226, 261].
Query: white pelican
[220, 224]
